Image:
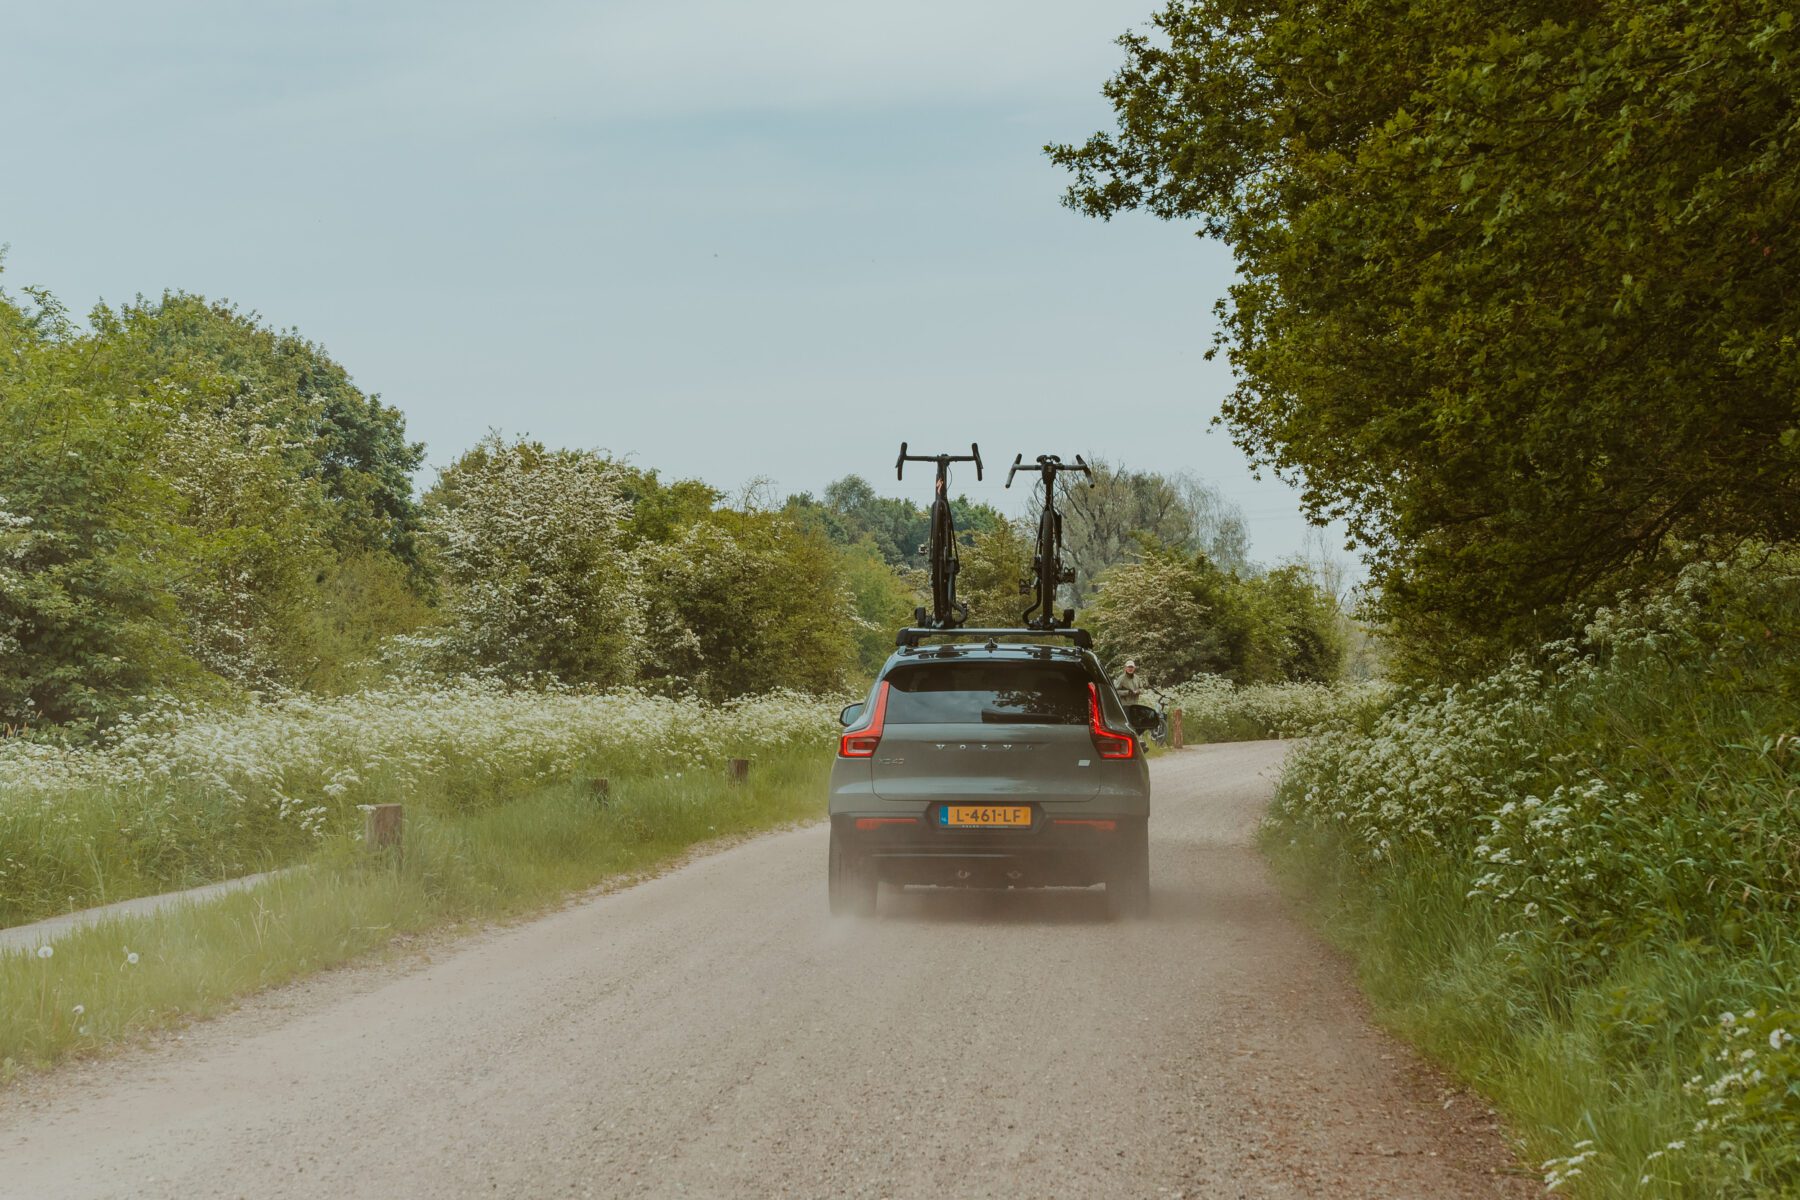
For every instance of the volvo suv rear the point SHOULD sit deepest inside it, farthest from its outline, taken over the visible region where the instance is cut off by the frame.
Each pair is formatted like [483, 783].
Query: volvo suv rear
[989, 765]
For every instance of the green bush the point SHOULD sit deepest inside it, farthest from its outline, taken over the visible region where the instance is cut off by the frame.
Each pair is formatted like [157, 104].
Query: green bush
[1181, 616]
[1213, 709]
[181, 491]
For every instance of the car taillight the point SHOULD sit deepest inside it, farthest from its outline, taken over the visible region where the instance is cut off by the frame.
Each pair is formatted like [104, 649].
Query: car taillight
[1108, 743]
[861, 743]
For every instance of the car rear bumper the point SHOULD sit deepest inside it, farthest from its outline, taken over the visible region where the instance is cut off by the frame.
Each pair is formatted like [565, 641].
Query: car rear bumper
[1058, 850]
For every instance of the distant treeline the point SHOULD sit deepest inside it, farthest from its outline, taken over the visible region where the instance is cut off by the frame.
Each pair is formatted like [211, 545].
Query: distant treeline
[194, 503]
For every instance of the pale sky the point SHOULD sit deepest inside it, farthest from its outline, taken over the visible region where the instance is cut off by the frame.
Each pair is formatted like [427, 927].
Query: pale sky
[729, 240]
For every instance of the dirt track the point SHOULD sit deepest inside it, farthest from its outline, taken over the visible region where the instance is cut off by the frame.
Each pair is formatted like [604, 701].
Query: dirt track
[714, 1033]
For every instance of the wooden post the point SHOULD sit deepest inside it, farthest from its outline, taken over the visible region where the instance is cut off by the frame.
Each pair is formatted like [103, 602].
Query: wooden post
[1176, 740]
[602, 789]
[381, 827]
[738, 770]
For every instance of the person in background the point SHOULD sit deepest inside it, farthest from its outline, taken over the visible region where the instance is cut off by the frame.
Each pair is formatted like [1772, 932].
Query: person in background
[1130, 685]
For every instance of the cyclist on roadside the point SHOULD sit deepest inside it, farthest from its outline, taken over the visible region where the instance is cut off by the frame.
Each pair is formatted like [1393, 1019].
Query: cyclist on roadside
[1130, 684]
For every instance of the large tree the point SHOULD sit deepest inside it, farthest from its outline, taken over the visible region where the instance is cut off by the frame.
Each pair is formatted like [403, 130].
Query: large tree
[1104, 523]
[158, 530]
[1515, 285]
[351, 443]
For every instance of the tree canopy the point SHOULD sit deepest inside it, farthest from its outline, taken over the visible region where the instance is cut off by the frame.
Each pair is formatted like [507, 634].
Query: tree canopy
[1515, 282]
[351, 443]
[1104, 524]
[1181, 615]
[851, 511]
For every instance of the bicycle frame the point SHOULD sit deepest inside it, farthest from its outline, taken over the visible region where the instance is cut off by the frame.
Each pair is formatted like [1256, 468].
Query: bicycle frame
[947, 612]
[1048, 573]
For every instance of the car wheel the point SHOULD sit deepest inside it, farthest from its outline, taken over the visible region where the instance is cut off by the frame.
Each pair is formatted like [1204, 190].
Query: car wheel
[1128, 888]
[852, 884]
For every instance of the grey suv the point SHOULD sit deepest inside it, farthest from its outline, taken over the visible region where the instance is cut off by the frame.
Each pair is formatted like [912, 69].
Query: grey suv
[990, 765]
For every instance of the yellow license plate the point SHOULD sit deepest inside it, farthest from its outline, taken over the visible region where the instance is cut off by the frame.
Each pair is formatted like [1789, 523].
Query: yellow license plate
[985, 816]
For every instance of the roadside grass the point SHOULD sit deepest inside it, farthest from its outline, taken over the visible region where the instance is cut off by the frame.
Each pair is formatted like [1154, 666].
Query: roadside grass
[1577, 884]
[465, 865]
[180, 796]
[1213, 709]
[1600, 1057]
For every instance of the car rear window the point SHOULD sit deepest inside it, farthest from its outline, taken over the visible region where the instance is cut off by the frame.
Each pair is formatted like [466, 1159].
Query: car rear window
[989, 694]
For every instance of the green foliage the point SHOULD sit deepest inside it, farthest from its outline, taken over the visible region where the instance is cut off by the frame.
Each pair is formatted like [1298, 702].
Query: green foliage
[1105, 523]
[1301, 629]
[363, 602]
[851, 512]
[1576, 878]
[187, 795]
[353, 445]
[744, 602]
[87, 535]
[992, 568]
[181, 490]
[660, 511]
[539, 579]
[1213, 709]
[1182, 617]
[1166, 611]
[884, 596]
[1514, 289]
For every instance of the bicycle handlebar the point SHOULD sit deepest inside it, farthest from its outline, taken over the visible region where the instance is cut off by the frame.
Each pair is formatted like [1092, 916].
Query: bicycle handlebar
[942, 460]
[1050, 465]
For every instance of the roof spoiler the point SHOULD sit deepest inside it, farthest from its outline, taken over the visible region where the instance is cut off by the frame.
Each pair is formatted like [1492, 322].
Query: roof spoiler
[912, 637]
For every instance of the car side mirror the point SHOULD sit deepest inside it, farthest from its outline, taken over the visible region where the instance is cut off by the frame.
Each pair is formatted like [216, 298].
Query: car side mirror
[850, 713]
[1142, 718]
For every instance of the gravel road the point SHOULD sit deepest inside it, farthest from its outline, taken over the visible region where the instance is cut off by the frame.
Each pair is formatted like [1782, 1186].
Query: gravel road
[714, 1033]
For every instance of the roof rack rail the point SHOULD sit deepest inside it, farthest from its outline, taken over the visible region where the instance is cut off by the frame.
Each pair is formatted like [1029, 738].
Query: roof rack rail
[912, 637]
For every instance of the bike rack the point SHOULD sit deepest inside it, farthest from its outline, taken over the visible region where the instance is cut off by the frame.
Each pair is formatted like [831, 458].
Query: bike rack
[911, 638]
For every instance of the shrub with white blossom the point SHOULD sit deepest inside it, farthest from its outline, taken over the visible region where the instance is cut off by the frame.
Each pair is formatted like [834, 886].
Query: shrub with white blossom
[1750, 1088]
[181, 794]
[1587, 855]
[1214, 709]
[539, 579]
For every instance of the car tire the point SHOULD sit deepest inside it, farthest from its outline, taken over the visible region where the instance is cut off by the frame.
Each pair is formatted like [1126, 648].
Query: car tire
[1128, 888]
[851, 883]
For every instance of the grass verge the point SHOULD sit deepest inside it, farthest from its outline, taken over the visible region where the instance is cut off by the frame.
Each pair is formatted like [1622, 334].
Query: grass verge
[458, 866]
[183, 796]
[1577, 884]
[1213, 709]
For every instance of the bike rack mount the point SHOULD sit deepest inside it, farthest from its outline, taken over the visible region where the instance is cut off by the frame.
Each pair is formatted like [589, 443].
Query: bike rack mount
[910, 638]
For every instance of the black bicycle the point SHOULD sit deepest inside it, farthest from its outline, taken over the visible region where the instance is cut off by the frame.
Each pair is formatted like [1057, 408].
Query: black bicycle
[947, 612]
[1047, 569]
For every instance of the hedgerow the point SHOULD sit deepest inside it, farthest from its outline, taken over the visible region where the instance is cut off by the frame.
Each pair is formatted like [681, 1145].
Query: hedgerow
[1578, 879]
